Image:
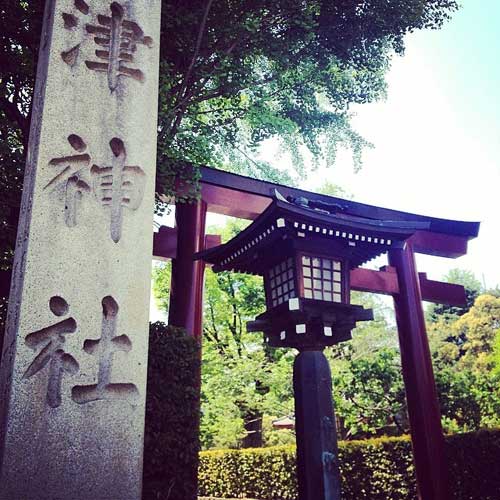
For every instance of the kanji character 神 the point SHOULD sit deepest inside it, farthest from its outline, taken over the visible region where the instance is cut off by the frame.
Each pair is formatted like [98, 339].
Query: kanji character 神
[116, 186]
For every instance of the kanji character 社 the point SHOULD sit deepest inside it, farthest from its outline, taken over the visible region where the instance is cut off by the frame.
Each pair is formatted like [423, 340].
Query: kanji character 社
[105, 347]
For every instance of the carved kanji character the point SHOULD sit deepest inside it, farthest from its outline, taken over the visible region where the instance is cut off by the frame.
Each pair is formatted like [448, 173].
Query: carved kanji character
[105, 347]
[116, 187]
[51, 340]
[117, 39]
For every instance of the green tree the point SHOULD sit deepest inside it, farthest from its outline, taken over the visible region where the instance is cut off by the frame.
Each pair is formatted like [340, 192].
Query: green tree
[463, 350]
[369, 396]
[468, 340]
[162, 273]
[367, 383]
[495, 355]
[235, 73]
[479, 328]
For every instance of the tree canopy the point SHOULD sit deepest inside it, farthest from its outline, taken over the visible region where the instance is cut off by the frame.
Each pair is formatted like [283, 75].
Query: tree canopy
[234, 73]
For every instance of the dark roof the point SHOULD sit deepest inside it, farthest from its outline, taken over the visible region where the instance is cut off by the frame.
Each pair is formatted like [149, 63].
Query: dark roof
[365, 237]
[235, 182]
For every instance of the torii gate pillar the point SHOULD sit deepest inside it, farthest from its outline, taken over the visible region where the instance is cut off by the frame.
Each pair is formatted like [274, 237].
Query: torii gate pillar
[421, 396]
[186, 293]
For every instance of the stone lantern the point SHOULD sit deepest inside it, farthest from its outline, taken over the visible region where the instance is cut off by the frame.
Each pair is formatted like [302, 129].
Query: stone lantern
[305, 251]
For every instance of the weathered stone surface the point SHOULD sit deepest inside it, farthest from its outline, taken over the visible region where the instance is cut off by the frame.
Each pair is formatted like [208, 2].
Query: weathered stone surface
[73, 377]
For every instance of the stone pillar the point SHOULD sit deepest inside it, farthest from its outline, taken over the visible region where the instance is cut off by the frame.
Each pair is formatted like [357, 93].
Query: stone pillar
[73, 376]
[318, 471]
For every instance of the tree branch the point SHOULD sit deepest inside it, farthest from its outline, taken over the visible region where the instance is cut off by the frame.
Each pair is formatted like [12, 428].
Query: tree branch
[13, 113]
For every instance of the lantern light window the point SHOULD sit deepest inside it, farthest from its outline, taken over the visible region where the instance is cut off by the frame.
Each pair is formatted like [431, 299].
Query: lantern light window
[322, 279]
[281, 282]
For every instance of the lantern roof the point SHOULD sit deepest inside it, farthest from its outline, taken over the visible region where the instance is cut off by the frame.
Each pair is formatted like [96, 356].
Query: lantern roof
[286, 220]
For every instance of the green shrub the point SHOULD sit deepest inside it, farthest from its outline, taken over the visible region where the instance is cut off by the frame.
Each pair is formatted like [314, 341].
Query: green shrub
[375, 469]
[171, 441]
[474, 461]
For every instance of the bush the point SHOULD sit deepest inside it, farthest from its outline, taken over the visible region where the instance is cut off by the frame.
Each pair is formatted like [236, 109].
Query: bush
[474, 460]
[171, 441]
[375, 469]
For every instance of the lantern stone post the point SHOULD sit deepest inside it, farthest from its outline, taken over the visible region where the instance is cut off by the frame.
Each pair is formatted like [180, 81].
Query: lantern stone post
[318, 472]
[73, 374]
[305, 256]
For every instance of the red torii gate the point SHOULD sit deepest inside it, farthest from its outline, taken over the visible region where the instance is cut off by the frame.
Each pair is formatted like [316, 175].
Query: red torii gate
[243, 197]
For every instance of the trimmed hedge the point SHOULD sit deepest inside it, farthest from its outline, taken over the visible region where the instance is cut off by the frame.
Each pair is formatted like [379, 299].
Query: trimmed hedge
[375, 469]
[171, 442]
[474, 460]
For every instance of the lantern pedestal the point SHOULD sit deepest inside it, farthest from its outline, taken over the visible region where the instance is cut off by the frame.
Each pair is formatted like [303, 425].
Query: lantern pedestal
[307, 324]
[317, 457]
